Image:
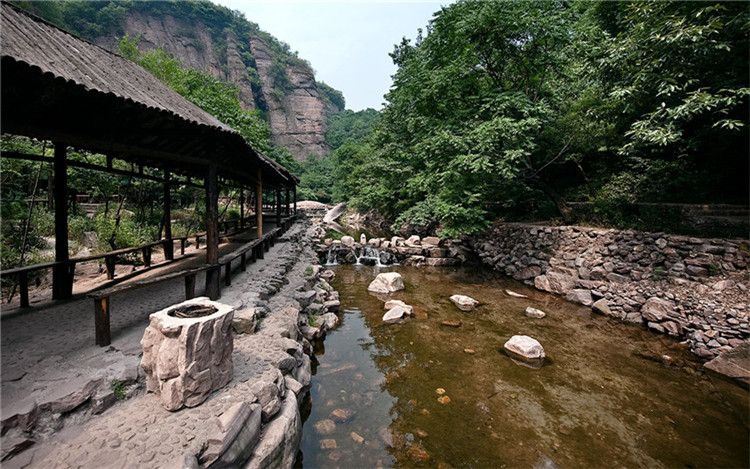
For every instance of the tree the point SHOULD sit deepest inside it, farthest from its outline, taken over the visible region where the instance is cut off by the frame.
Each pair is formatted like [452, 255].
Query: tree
[471, 107]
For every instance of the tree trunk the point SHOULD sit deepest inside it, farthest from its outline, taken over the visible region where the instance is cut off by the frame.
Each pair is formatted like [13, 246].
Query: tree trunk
[562, 207]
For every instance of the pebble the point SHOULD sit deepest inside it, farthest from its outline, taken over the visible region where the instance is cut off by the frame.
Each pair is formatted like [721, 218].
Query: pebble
[328, 443]
[444, 399]
[356, 437]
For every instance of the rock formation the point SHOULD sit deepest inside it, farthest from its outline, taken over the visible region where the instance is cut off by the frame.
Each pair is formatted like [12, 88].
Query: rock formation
[295, 109]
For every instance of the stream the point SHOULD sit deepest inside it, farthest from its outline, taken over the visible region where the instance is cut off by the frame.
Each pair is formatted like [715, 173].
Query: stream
[609, 394]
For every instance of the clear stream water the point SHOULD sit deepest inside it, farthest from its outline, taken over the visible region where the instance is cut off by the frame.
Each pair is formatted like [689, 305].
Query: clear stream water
[608, 395]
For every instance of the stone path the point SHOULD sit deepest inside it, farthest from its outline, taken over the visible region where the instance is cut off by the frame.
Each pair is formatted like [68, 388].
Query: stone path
[50, 368]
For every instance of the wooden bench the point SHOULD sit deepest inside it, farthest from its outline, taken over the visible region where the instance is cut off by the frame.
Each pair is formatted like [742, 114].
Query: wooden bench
[102, 297]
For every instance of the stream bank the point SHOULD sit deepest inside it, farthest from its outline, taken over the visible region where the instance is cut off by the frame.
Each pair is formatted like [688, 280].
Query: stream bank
[693, 289]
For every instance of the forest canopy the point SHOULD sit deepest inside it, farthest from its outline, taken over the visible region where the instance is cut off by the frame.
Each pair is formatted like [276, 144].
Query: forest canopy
[504, 109]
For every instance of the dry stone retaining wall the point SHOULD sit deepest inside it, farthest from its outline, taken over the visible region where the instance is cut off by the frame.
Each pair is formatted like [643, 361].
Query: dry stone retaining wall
[692, 288]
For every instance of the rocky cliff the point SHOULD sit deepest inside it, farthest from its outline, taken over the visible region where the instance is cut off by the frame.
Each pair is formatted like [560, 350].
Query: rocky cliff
[277, 83]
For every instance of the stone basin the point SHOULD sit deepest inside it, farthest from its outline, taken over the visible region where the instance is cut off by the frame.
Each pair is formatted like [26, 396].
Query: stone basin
[186, 358]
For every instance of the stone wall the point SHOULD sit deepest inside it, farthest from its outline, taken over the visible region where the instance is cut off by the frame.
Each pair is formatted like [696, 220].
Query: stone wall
[690, 288]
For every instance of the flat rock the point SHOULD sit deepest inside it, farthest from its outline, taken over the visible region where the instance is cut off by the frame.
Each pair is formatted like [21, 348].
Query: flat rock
[514, 294]
[734, 363]
[451, 323]
[580, 296]
[386, 283]
[600, 306]
[325, 427]
[395, 314]
[393, 303]
[535, 313]
[463, 302]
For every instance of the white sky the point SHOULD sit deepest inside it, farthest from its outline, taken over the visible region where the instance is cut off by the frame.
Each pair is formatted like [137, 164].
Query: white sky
[346, 42]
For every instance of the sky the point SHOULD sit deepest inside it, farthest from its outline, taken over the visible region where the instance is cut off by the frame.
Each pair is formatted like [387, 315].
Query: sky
[346, 42]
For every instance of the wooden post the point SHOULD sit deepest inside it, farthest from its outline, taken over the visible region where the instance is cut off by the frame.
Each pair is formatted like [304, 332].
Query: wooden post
[109, 263]
[101, 321]
[259, 205]
[168, 246]
[189, 286]
[23, 283]
[213, 289]
[278, 207]
[295, 200]
[242, 206]
[287, 202]
[60, 281]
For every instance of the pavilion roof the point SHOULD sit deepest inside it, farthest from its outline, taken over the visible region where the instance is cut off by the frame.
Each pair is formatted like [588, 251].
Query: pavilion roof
[59, 87]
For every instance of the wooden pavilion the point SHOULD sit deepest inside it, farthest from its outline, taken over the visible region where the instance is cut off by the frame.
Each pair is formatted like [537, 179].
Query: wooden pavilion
[58, 87]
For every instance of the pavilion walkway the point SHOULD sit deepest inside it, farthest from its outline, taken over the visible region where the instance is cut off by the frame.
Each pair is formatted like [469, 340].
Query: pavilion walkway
[48, 355]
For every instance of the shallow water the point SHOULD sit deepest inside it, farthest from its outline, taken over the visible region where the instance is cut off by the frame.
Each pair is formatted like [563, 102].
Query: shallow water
[606, 396]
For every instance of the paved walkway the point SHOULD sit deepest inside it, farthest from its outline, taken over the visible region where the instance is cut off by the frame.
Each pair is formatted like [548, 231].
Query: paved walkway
[50, 367]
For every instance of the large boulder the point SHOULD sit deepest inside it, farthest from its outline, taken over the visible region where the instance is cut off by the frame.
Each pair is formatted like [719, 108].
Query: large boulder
[580, 296]
[281, 438]
[656, 309]
[555, 282]
[388, 282]
[464, 303]
[526, 349]
[347, 241]
[334, 213]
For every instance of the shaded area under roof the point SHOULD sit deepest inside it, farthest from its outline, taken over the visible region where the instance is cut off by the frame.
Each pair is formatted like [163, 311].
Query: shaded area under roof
[58, 87]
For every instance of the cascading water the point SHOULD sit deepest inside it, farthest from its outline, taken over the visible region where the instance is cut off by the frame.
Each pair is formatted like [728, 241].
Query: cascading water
[369, 253]
[331, 257]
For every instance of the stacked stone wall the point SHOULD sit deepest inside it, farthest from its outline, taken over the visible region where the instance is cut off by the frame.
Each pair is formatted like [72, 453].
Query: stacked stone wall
[694, 289]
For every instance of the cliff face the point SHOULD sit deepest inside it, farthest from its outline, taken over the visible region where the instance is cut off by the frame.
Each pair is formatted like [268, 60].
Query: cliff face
[295, 109]
[298, 116]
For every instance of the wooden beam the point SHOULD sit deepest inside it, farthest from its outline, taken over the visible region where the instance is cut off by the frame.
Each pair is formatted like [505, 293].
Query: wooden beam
[212, 232]
[295, 200]
[95, 167]
[60, 281]
[259, 204]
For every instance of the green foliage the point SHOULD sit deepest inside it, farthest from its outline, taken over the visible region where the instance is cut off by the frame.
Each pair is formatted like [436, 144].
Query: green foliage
[332, 95]
[508, 107]
[118, 388]
[128, 233]
[316, 179]
[352, 126]
[216, 97]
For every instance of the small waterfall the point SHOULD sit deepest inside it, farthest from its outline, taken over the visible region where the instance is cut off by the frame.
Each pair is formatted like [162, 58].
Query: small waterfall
[371, 254]
[331, 256]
